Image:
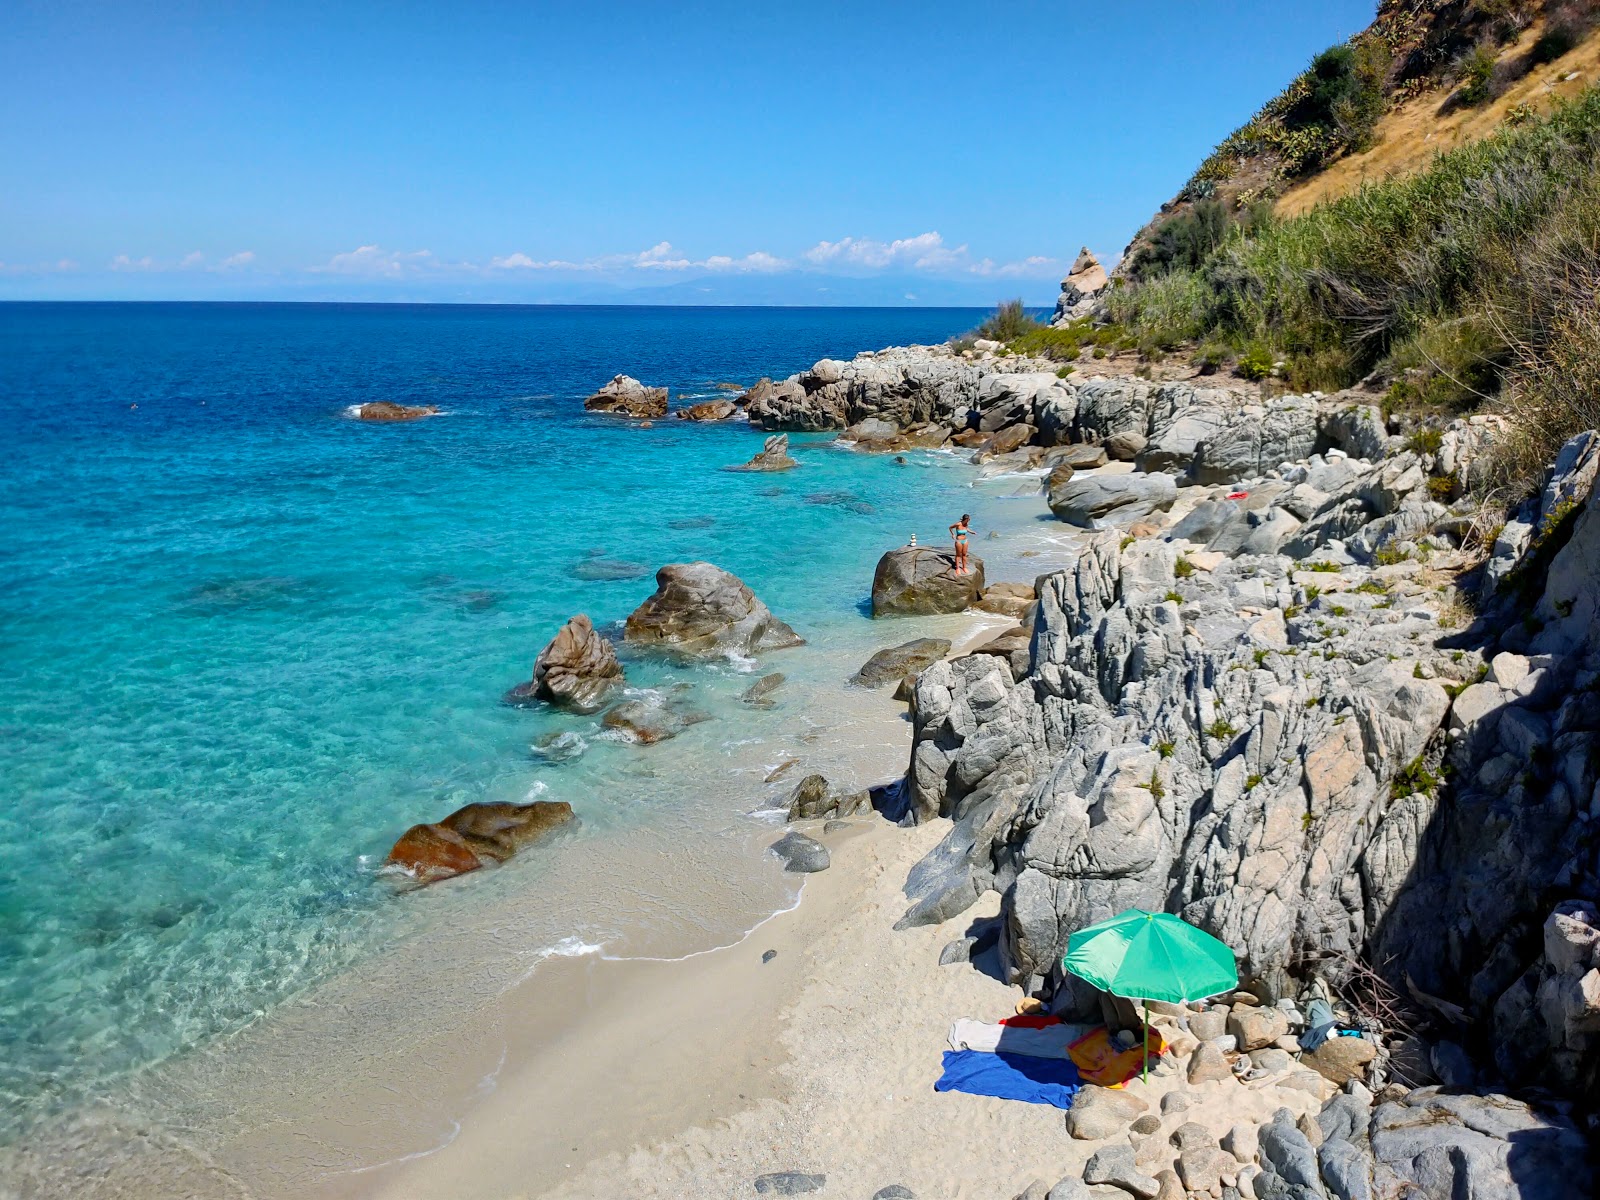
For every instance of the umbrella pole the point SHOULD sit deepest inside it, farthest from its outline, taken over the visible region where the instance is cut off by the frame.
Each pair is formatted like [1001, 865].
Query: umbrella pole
[1145, 1005]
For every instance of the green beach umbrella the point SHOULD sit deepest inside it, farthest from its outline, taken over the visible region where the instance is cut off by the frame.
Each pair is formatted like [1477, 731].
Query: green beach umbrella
[1151, 956]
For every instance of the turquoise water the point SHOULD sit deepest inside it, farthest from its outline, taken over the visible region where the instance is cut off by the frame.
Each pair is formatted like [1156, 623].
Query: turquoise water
[246, 640]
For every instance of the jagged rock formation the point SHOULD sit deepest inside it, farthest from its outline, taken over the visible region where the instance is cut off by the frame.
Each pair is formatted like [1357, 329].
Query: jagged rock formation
[576, 670]
[625, 396]
[1080, 289]
[774, 456]
[1258, 746]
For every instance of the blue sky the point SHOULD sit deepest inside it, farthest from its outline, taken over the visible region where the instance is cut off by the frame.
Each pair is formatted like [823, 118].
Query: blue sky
[707, 153]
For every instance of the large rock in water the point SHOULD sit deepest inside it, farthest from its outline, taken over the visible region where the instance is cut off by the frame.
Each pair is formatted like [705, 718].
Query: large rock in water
[774, 456]
[1096, 501]
[387, 410]
[893, 664]
[699, 608]
[914, 580]
[708, 410]
[474, 836]
[627, 397]
[576, 670]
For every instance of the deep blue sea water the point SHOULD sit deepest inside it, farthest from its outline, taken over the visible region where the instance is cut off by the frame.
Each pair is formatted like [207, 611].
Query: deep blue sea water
[246, 640]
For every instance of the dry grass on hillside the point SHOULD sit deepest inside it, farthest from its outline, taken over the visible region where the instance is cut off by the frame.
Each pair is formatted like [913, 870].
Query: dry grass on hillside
[1409, 137]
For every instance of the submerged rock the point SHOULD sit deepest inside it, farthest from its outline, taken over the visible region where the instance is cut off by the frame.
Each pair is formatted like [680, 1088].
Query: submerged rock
[698, 608]
[608, 570]
[386, 410]
[893, 664]
[625, 396]
[652, 718]
[759, 693]
[914, 580]
[774, 456]
[473, 837]
[576, 670]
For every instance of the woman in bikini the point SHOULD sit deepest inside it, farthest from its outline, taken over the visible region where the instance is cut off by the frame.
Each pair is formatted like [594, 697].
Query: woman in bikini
[961, 531]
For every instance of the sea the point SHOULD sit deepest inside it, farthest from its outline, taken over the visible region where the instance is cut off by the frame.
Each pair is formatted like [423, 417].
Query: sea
[246, 640]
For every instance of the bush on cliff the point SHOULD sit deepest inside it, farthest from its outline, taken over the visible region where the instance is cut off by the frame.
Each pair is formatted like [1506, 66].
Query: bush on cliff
[1008, 322]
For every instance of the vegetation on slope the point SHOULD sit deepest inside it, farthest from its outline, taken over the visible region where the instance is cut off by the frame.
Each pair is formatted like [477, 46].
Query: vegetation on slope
[1475, 277]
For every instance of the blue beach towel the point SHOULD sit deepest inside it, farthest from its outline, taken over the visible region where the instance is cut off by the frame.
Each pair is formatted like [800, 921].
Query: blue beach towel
[1010, 1077]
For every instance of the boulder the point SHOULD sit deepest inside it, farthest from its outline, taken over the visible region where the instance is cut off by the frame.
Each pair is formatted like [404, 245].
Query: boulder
[774, 456]
[814, 798]
[789, 1183]
[1098, 1113]
[1257, 1027]
[1341, 1059]
[756, 393]
[625, 396]
[1209, 1064]
[876, 436]
[577, 670]
[1094, 502]
[915, 580]
[386, 410]
[800, 854]
[893, 664]
[708, 410]
[1079, 458]
[474, 836]
[1115, 1165]
[1125, 445]
[1008, 599]
[699, 608]
[1083, 284]
[788, 405]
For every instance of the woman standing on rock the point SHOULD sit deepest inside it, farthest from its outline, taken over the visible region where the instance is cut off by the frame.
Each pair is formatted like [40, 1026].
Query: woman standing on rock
[961, 531]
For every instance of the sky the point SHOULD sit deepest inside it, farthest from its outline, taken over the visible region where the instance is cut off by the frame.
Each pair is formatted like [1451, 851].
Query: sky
[711, 153]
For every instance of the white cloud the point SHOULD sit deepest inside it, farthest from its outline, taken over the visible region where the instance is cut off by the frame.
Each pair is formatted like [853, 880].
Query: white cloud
[234, 261]
[924, 252]
[1034, 266]
[191, 261]
[663, 256]
[375, 261]
[123, 263]
[43, 268]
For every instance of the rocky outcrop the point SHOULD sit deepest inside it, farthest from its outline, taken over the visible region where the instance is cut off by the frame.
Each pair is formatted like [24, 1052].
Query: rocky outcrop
[1080, 288]
[625, 396]
[815, 798]
[386, 410]
[577, 670]
[708, 410]
[1262, 748]
[774, 456]
[915, 580]
[699, 608]
[475, 836]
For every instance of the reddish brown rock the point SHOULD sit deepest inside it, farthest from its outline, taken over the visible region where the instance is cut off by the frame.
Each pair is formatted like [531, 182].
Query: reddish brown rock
[385, 410]
[708, 410]
[474, 836]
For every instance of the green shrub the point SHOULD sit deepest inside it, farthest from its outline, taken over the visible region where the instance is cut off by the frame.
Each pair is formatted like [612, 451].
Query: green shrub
[1007, 323]
[1476, 73]
[1252, 783]
[1255, 363]
[1175, 597]
[1183, 568]
[1415, 778]
[1221, 730]
[1165, 749]
[1323, 566]
[1442, 488]
[1426, 440]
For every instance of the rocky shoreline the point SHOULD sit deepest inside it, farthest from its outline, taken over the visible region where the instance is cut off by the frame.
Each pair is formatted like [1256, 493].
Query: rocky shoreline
[1297, 692]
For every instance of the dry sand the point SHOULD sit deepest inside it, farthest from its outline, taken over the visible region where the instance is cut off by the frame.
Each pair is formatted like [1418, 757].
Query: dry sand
[699, 1076]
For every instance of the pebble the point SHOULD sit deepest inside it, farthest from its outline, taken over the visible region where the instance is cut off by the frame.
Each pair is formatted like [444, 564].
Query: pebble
[769, 956]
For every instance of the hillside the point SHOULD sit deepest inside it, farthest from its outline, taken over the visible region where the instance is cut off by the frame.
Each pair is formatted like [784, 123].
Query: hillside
[1425, 76]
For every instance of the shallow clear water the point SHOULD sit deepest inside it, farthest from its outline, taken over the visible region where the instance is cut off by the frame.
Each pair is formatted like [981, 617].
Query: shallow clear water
[246, 640]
